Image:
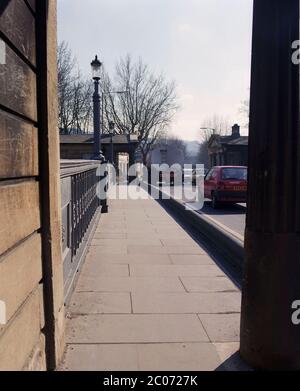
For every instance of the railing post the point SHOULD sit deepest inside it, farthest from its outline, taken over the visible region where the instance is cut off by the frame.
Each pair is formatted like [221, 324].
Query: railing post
[104, 204]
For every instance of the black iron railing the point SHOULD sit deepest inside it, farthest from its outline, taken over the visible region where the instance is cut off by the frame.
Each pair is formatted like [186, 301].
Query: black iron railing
[84, 204]
[81, 208]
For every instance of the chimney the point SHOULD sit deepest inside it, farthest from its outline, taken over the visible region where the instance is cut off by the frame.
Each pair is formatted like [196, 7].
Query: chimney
[236, 130]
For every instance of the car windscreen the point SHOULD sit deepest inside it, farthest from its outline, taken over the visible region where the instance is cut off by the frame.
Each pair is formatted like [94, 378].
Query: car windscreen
[234, 173]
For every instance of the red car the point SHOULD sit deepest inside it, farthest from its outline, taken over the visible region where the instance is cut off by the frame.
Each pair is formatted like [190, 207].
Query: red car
[226, 184]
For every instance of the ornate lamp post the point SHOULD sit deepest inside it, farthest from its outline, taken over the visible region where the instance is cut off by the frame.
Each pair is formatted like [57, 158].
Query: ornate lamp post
[96, 67]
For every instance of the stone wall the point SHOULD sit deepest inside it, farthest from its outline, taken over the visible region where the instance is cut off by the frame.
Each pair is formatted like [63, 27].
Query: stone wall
[31, 285]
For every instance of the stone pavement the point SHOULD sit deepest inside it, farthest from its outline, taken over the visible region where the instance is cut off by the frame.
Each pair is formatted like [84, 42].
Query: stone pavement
[150, 298]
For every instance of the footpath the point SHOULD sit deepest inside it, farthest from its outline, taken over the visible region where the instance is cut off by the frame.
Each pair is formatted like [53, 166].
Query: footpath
[149, 297]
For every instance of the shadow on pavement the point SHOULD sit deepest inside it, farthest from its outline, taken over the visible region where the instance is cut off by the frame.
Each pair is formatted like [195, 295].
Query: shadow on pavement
[234, 363]
[3, 5]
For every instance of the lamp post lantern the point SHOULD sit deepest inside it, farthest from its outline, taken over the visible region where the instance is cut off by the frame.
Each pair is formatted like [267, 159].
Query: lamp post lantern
[96, 69]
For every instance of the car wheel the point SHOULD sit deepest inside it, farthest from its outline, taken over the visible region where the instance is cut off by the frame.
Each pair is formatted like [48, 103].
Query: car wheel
[214, 201]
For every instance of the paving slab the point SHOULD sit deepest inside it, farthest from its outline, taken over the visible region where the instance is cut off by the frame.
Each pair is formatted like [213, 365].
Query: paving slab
[109, 235]
[154, 357]
[178, 357]
[135, 329]
[142, 357]
[161, 259]
[145, 231]
[147, 241]
[100, 303]
[149, 297]
[176, 229]
[101, 250]
[215, 284]
[165, 224]
[178, 242]
[226, 349]
[113, 218]
[163, 219]
[101, 357]
[221, 327]
[140, 249]
[93, 268]
[140, 234]
[129, 284]
[175, 270]
[170, 234]
[185, 303]
[112, 226]
[94, 255]
[104, 230]
[184, 259]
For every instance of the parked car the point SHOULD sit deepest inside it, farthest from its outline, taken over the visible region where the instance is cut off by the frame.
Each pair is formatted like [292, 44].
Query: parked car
[226, 184]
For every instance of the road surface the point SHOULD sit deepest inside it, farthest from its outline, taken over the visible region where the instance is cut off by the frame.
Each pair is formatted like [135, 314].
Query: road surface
[232, 217]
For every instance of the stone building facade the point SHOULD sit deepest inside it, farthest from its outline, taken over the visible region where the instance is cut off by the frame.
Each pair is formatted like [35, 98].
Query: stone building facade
[229, 150]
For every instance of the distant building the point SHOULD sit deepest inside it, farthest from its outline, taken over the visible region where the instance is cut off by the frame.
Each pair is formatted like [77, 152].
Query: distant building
[81, 146]
[168, 152]
[228, 150]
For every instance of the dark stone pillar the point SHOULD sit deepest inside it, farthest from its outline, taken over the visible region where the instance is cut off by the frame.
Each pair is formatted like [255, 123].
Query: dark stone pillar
[271, 283]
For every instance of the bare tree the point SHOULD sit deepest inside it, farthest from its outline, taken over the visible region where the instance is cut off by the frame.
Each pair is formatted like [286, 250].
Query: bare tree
[74, 94]
[81, 104]
[244, 110]
[65, 65]
[203, 157]
[177, 143]
[147, 107]
[216, 124]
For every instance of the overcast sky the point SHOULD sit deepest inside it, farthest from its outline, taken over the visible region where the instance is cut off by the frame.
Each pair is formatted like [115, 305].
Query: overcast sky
[204, 45]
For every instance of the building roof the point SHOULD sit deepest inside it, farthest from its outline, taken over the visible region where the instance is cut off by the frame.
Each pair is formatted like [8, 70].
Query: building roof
[89, 139]
[117, 139]
[242, 140]
[228, 140]
[76, 139]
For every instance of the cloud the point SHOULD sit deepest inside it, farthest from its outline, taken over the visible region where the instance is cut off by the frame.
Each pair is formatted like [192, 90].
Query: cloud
[184, 28]
[204, 45]
[187, 97]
